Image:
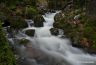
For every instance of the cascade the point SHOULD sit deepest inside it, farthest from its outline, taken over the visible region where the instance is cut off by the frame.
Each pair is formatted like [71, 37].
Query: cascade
[54, 50]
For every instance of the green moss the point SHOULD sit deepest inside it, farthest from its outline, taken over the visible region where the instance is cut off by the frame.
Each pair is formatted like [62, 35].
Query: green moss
[23, 41]
[6, 55]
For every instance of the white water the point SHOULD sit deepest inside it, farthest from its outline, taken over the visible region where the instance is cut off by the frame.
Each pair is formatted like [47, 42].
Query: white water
[49, 17]
[58, 48]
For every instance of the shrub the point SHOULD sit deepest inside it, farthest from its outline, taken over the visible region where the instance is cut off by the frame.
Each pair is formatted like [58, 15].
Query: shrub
[6, 55]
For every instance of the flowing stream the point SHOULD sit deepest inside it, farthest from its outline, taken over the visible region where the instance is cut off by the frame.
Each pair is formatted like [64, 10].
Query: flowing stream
[46, 49]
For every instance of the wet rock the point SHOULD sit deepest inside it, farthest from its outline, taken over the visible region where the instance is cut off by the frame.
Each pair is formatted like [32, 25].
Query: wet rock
[54, 31]
[23, 41]
[59, 16]
[59, 19]
[77, 45]
[38, 20]
[52, 11]
[30, 32]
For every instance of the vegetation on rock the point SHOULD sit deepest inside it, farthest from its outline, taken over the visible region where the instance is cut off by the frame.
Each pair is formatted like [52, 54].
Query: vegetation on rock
[23, 41]
[38, 21]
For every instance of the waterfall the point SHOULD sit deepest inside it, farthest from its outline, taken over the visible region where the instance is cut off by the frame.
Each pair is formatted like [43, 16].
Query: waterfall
[54, 50]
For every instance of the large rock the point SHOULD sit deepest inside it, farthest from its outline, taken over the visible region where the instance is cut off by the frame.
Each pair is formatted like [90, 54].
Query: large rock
[30, 32]
[59, 16]
[59, 19]
[54, 31]
[38, 20]
[23, 41]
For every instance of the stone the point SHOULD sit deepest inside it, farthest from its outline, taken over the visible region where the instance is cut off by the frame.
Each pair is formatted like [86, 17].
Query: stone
[38, 20]
[23, 41]
[59, 20]
[30, 32]
[59, 16]
[54, 31]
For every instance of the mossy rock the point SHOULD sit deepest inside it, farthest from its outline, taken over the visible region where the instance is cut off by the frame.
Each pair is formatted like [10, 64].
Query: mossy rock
[54, 31]
[59, 16]
[23, 41]
[30, 32]
[38, 20]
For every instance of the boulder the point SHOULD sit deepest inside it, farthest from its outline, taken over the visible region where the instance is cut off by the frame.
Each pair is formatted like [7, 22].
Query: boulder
[59, 19]
[38, 20]
[59, 16]
[23, 41]
[30, 32]
[54, 31]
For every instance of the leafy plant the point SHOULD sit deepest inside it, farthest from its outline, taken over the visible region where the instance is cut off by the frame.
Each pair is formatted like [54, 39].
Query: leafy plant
[6, 54]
